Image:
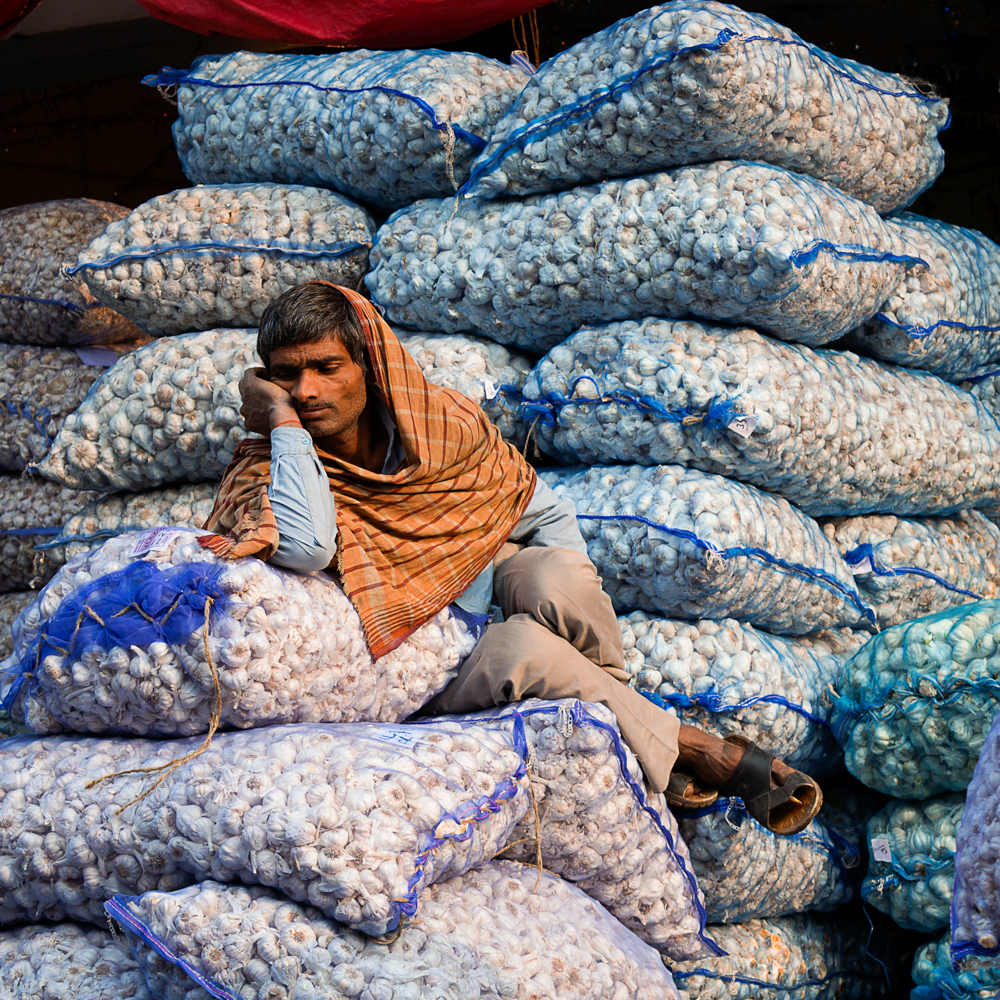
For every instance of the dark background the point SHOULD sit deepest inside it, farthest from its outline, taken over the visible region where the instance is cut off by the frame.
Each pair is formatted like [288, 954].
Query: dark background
[75, 121]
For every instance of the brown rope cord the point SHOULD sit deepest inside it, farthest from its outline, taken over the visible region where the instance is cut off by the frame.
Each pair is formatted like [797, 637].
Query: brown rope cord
[521, 42]
[537, 839]
[173, 765]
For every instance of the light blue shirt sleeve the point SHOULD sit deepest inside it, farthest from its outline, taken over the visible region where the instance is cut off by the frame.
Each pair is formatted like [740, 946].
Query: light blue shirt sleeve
[549, 521]
[302, 503]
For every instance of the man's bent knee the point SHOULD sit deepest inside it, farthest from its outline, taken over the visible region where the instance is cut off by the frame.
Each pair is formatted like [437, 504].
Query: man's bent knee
[543, 577]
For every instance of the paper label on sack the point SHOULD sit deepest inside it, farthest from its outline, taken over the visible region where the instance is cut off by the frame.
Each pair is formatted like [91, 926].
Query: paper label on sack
[880, 849]
[865, 566]
[154, 540]
[98, 356]
[399, 737]
[744, 425]
[490, 388]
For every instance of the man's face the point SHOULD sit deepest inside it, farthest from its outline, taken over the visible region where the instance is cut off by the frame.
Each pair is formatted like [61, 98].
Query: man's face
[327, 387]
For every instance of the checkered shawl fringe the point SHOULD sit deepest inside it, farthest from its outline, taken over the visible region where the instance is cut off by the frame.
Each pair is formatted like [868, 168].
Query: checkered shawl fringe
[410, 542]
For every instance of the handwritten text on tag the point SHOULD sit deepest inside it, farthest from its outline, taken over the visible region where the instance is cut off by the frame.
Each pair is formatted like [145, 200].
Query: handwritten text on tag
[880, 849]
[154, 540]
[397, 736]
[743, 425]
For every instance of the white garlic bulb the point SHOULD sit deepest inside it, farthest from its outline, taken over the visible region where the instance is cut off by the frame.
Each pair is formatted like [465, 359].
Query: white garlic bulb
[726, 240]
[933, 975]
[913, 706]
[727, 677]
[944, 316]
[692, 545]
[600, 825]
[284, 647]
[501, 930]
[384, 127]
[975, 909]
[829, 431]
[354, 819]
[32, 511]
[56, 961]
[217, 255]
[907, 568]
[39, 386]
[695, 81]
[38, 303]
[915, 887]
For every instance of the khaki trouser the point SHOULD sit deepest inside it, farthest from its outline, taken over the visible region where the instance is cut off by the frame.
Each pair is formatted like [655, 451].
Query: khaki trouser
[560, 640]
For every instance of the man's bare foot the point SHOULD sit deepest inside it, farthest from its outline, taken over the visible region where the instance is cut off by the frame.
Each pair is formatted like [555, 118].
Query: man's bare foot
[713, 760]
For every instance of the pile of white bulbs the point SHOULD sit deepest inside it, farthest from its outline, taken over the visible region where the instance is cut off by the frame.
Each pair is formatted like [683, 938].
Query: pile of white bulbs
[691, 545]
[727, 677]
[727, 240]
[915, 887]
[282, 648]
[500, 930]
[914, 705]
[907, 568]
[353, 819]
[932, 970]
[385, 127]
[39, 386]
[39, 304]
[829, 431]
[695, 81]
[944, 317]
[218, 255]
[67, 962]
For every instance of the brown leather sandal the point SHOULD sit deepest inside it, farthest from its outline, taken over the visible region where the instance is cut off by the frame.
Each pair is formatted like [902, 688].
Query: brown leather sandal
[685, 791]
[785, 810]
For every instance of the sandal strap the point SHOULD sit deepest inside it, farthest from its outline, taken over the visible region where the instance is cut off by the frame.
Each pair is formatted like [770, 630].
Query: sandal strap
[751, 781]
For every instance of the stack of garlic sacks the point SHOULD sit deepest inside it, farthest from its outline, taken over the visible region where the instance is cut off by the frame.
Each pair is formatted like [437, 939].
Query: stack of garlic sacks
[755, 507]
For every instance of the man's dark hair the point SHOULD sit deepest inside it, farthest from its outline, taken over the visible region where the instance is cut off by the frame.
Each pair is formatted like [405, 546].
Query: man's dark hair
[306, 314]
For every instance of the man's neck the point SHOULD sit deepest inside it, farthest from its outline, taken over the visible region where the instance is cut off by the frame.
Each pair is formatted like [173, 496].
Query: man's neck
[365, 444]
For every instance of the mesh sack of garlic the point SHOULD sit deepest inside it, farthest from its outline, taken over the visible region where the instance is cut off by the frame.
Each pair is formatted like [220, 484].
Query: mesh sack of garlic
[727, 677]
[945, 316]
[692, 545]
[745, 871]
[39, 387]
[914, 886]
[600, 826]
[984, 383]
[829, 431]
[907, 568]
[484, 371]
[913, 706]
[11, 605]
[696, 81]
[975, 908]
[384, 127]
[119, 513]
[38, 303]
[501, 930]
[32, 510]
[354, 819]
[725, 240]
[154, 635]
[68, 962]
[216, 255]
[799, 956]
[935, 979]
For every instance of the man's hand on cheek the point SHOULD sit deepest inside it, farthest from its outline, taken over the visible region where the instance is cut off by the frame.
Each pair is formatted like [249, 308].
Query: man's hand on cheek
[265, 405]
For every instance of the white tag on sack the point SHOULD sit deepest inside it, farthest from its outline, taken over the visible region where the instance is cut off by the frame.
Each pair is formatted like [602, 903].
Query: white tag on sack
[98, 356]
[401, 739]
[743, 425]
[880, 849]
[865, 566]
[154, 540]
[490, 388]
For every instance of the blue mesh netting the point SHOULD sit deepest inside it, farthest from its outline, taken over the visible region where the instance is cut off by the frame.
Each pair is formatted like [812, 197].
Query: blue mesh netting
[915, 887]
[936, 980]
[785, 418]
[975, 909]
[945, 316]
[913, 706]
[688, 82]
[384, 127]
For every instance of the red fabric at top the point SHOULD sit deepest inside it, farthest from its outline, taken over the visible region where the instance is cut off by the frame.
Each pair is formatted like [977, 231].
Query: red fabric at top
[374, 24]
[12, 12]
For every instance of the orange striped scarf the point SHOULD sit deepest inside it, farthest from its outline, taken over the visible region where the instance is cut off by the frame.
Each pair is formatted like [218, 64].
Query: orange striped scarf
[410, 542]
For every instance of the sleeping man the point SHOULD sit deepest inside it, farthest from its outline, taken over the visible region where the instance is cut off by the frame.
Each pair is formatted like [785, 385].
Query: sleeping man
[407, 493]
